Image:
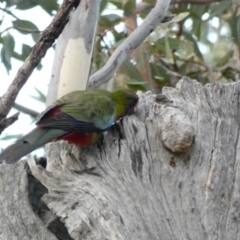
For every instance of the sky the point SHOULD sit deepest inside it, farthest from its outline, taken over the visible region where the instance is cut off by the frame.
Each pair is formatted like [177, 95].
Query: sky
[38, 79]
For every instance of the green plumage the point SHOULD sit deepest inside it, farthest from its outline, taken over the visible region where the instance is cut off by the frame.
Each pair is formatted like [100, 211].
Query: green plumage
[77, 117]
[92, 106]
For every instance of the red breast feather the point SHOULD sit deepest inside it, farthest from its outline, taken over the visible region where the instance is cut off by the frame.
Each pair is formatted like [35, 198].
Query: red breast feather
[81, 139]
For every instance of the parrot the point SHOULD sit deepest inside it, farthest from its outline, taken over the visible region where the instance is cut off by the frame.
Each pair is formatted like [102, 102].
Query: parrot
[79, 118]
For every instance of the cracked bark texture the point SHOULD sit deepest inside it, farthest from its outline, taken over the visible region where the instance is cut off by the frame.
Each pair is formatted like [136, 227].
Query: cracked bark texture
[138, 184]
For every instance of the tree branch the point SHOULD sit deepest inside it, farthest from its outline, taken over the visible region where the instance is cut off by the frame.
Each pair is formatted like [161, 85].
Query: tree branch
[47, 38]
[9, 12]
[196, 1]
[133, 41]
[6, 122]
[25, 110]
[142, 6]
[5, 30]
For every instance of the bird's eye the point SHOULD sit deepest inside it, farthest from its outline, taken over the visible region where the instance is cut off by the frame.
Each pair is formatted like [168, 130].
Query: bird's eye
[129, 111]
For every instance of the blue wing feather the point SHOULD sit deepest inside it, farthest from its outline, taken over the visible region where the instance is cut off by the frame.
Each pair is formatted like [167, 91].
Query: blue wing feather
[68, 123]
[87, 111]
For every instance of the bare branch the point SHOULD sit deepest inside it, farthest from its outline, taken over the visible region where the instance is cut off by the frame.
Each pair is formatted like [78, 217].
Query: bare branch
[142, 6]
[25, 110]
[6, 122]
[47, 38]
[133, 41]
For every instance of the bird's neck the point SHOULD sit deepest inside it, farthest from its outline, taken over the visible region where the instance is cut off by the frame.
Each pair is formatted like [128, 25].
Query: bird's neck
[119, 103]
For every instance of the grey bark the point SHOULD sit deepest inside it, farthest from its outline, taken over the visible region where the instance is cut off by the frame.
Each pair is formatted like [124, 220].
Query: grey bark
[171, 171]
[17, 218]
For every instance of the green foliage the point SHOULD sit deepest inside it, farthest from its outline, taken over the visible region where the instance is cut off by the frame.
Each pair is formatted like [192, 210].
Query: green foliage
[48, 6]
[109, 20]
[23, 26]
[7, 50]
[199, 40]
[202, 41]
[40, 96]
[26, 27]
[128, 8]
[234, 23]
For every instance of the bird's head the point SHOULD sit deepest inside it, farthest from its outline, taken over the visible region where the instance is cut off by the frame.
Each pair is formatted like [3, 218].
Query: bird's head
[125, 102]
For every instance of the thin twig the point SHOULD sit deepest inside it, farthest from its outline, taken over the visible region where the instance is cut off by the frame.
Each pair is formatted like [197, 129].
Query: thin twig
[47, 38]
[25, 110]
[6, 122]
[9, 12]
[215, 69]
[5, 30]
[196, 1]
[26, 29]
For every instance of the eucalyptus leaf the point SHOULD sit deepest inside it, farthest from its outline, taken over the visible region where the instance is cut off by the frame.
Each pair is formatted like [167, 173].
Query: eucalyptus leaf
[235, 27]
[129, 7]
[26, 27]
[48, 5]
[7, 51]
[103, 5]
[131, 71]
[41, 97]
[21, 4]
[116, 3]
[225, 59]
[195, 44]
[218, 9]
[136, 85]
[109, 20]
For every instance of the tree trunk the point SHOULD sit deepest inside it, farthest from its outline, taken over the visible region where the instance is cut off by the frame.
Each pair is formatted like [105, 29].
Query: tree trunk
[88, 175]
[171, 171]
[74, 48]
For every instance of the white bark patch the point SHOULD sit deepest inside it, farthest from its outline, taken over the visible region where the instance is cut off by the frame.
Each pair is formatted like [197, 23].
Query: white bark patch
[73, 51]
[75, 67]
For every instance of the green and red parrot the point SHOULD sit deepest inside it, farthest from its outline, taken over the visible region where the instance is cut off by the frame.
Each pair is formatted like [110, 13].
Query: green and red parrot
[78, 117]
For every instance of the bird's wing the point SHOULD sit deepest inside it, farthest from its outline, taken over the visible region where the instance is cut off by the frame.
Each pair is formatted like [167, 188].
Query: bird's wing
[85, 113]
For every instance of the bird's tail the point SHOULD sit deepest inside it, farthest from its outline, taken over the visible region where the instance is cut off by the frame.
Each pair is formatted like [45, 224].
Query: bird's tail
[35, 139]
